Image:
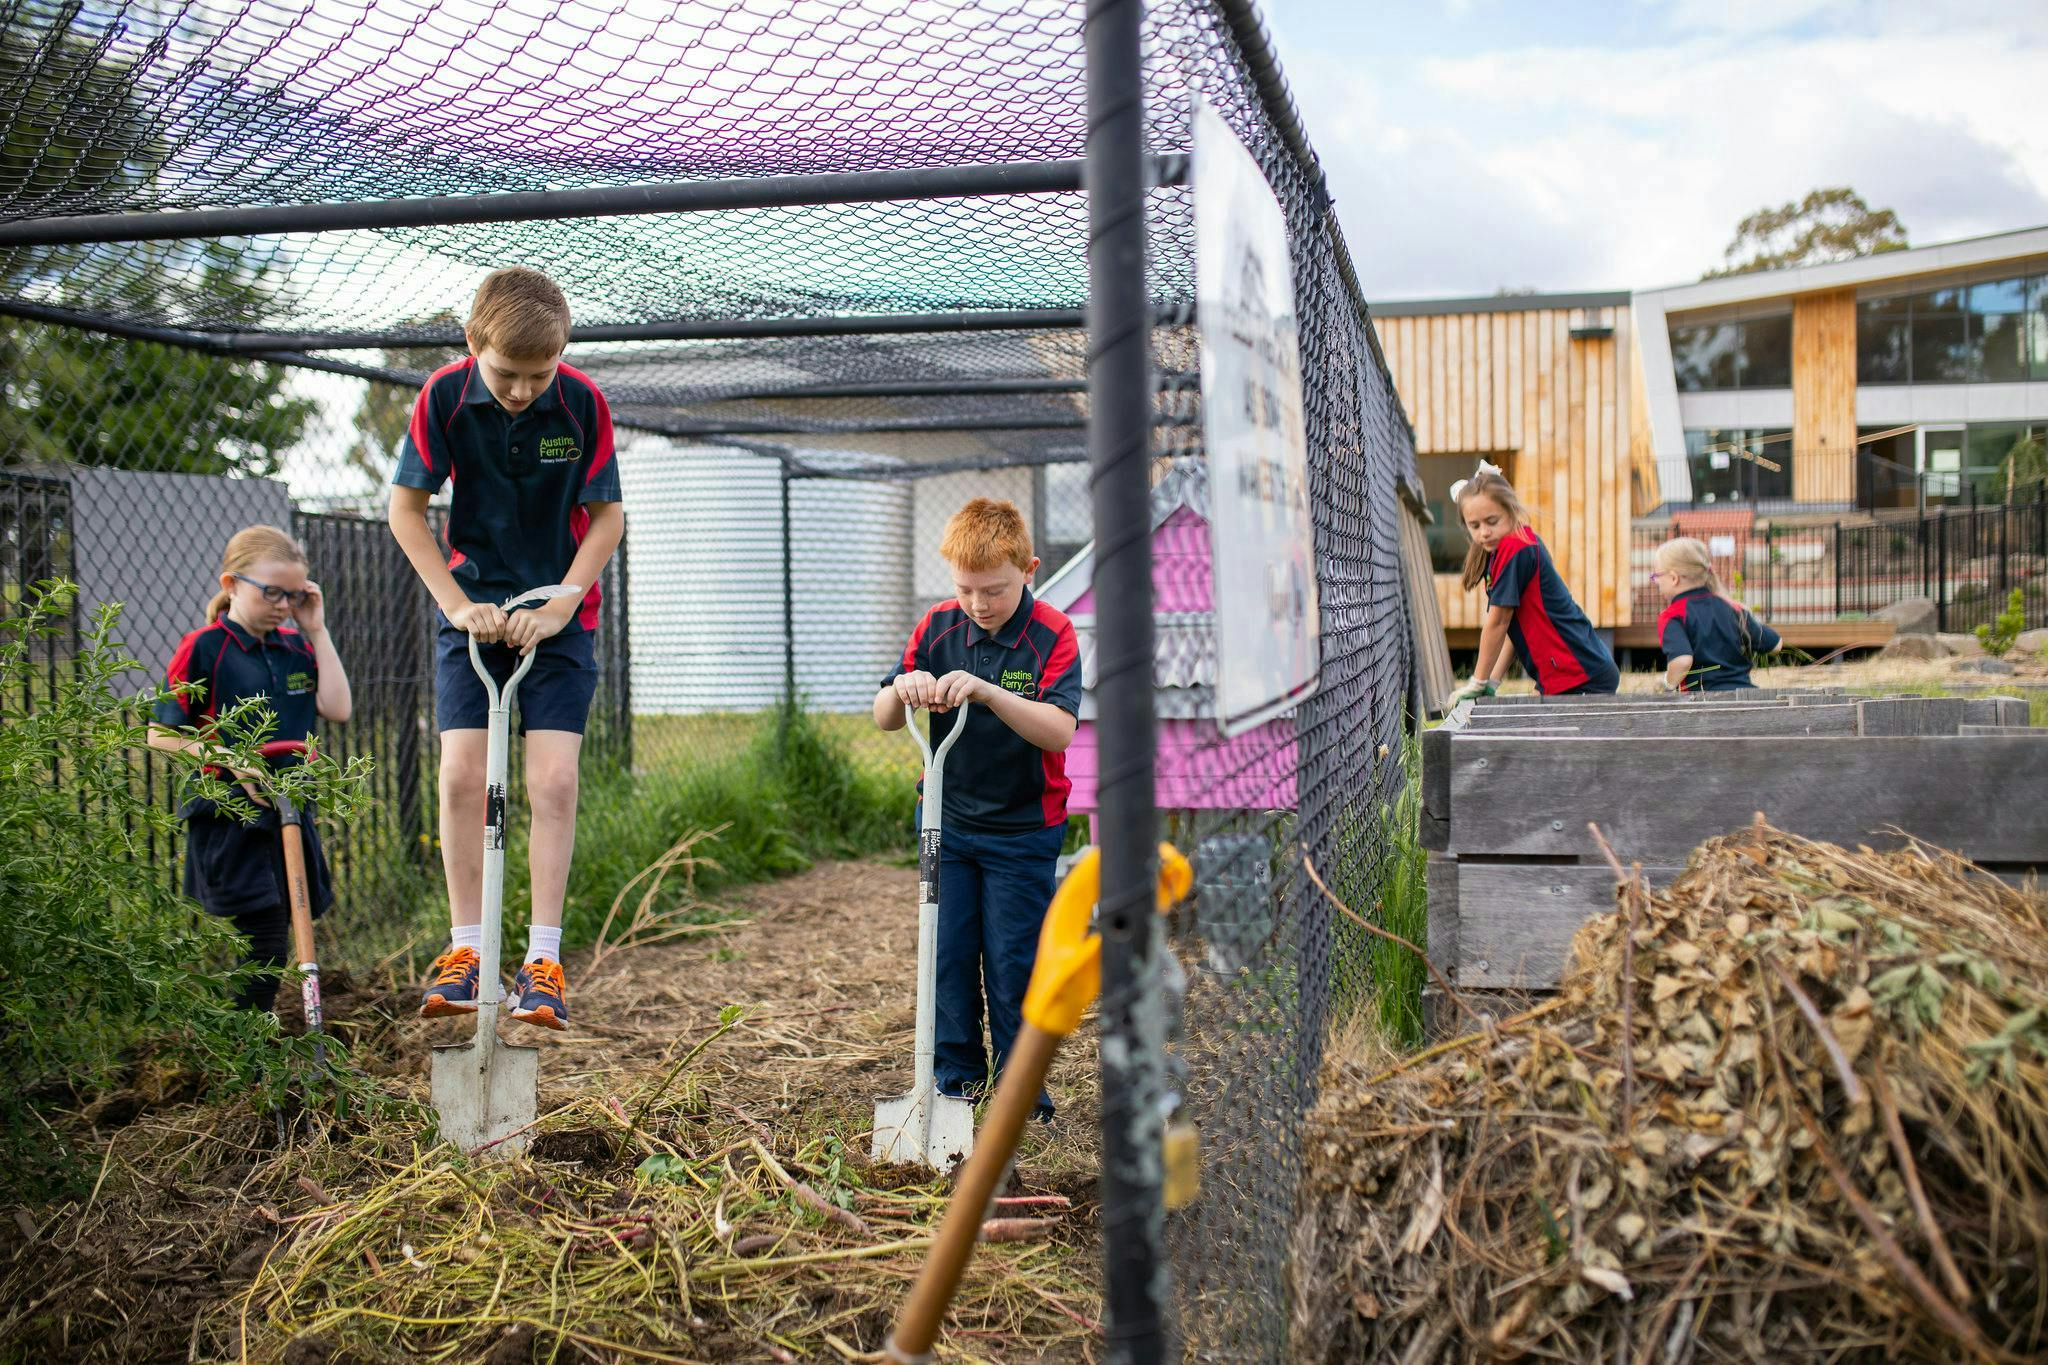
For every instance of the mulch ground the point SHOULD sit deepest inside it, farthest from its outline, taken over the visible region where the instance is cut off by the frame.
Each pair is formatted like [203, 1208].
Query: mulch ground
[208, 1238]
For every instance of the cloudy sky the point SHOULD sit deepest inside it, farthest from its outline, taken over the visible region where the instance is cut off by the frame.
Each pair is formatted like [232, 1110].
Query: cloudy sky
[1586, 144]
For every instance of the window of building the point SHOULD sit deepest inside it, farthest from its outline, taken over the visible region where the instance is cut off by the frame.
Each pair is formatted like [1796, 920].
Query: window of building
[1731, 464]
[1938, 464]
[1993, 331]
[1448, 541]
[1747, 353]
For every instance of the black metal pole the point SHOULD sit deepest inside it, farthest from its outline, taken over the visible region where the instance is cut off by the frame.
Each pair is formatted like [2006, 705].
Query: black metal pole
[788, 602]
[1119, 443]
[609, 201]
[1941, 574]
[264, 345]
[1840, 569]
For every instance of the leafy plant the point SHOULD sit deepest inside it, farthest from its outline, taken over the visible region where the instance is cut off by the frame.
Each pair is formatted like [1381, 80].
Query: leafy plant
[2026, 462]
[101, 960]
[2003, 633]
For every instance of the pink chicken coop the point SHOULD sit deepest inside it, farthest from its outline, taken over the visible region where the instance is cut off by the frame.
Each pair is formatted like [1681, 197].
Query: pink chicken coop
[1196, 769]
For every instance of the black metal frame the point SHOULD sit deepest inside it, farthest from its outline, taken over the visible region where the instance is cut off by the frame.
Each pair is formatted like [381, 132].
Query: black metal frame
[610, 201]
[1136, 1290]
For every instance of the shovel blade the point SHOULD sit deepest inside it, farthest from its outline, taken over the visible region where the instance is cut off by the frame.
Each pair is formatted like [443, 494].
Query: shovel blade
[899, 1131]
[924, 1130]
[485, 1094]
[952, 1136]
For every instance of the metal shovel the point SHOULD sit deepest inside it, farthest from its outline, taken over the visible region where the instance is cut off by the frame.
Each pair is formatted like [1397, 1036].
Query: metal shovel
[925, 1126]
[297, 896]
[487, 1091]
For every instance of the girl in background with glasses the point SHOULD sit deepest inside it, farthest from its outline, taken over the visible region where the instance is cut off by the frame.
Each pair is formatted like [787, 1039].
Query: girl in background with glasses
[265, 636]
[1707, 636]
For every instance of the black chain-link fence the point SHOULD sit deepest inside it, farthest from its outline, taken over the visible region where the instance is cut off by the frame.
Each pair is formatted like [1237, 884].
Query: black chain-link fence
[810, 375]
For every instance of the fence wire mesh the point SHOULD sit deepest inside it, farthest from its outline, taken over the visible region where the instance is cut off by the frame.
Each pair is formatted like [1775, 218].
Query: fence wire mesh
[834, 381]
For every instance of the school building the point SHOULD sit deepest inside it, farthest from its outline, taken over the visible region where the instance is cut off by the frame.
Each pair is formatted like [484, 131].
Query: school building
[1741, 409]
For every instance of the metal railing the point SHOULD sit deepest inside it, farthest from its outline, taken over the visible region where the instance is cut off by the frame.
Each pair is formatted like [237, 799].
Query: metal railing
[1966, 560]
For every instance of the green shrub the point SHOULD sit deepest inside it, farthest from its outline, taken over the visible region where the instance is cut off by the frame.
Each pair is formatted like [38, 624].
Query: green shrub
[789, 796]
[2003, 633]
[101, 960]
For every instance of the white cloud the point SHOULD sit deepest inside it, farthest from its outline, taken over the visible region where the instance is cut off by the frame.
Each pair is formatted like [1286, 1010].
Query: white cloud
[1590, 167]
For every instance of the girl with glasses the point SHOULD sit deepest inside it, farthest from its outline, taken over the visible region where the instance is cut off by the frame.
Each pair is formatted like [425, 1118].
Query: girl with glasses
[265, 636]
[1707, 636]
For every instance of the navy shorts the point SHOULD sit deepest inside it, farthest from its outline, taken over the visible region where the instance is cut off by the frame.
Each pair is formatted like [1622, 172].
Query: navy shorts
[234, 869]
[554, 695]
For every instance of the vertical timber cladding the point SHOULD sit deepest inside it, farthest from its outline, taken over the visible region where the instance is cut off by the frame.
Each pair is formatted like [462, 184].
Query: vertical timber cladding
[1505, 378]
[1824, 396]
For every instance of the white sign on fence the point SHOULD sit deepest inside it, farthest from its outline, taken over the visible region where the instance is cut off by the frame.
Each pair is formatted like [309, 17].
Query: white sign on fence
[1262, 543]
[1721, 547]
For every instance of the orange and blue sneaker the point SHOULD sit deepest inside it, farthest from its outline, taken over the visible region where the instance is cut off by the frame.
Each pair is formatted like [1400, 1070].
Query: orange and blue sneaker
[543, 994]
[454, 987]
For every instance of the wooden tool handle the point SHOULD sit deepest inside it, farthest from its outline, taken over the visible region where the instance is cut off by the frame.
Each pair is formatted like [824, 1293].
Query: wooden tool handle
[298, 896]
[917, 1326]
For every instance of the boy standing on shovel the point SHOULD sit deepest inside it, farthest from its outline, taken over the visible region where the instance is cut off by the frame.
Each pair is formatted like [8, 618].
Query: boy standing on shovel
[528, 441]
[1004, 811]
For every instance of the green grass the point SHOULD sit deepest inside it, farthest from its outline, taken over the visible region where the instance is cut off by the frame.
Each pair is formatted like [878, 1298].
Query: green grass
[784, 788]
[1379, 869]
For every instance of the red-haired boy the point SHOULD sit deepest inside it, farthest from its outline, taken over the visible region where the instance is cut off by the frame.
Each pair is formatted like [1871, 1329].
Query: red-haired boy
[1015, 658]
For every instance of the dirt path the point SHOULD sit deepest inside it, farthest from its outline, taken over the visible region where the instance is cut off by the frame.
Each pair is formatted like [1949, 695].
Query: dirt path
[206, 1239]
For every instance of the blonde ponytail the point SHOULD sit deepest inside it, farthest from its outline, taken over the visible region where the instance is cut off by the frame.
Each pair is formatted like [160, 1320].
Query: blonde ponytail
[246, 549]
[1687, 557]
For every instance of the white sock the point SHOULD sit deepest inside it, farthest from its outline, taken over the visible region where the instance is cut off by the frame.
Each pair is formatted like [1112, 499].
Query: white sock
[544, 943]
[468, 936]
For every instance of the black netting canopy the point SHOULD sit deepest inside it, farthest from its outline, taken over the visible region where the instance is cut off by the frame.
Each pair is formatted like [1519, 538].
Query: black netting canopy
[830, 262]
[773, 218]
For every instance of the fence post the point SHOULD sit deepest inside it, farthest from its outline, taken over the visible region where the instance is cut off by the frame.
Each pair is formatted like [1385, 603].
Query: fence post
[1837, 557]
[1941, 571]
[1770, 569]
[788, 602]
[622, 642]
[2004, 545]
[1119, 445]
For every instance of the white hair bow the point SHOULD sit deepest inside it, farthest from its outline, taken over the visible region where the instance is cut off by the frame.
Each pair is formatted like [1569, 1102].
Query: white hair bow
[1485, 467]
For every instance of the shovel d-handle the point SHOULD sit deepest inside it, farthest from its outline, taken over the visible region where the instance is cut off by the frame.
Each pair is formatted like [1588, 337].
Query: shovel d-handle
[298, 895]
[1065, 980]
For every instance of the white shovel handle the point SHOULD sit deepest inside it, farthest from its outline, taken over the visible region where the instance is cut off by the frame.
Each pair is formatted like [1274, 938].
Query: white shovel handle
[496, 763]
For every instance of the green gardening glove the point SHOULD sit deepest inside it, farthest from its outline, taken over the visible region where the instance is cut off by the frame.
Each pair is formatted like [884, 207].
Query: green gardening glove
[1478, 687]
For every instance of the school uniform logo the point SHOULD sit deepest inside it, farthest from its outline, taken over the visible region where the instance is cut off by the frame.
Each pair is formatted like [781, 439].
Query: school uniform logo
[1019, 680]
[298, 682]
[554, 449]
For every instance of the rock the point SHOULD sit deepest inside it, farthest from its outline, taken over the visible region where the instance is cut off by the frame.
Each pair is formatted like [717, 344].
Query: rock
[1985, 665]
[514, 1346]
[2031, 643]
[309, 1348]
[1910, 616]
[1961, 646]
[250, 1261]
[1925, 646]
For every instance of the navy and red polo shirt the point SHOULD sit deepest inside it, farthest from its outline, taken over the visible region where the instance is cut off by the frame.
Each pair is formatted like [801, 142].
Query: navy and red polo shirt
[521, 479]
[230, 664]
[997, 781]
[1553, 638]
[1719, 634]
